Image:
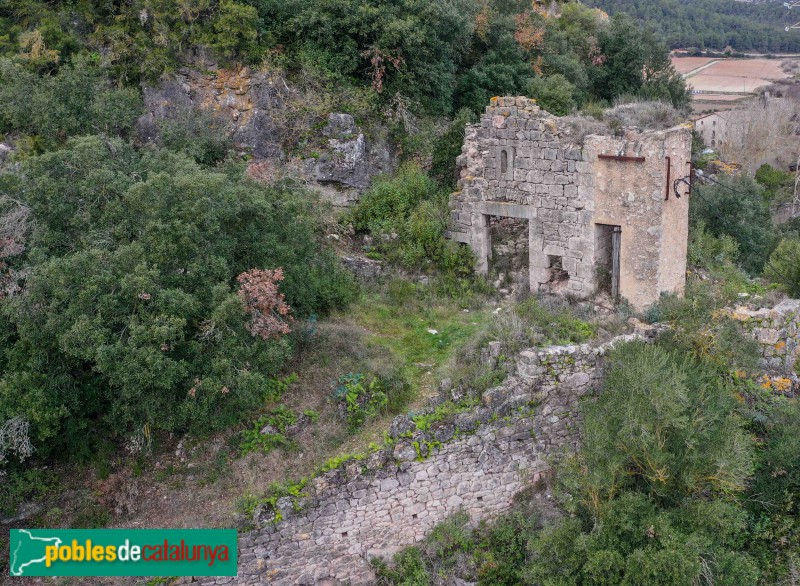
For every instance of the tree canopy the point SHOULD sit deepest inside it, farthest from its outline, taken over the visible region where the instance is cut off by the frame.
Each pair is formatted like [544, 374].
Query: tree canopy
[130, 313]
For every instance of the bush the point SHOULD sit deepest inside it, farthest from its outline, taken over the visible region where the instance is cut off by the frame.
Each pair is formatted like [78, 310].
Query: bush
[774, 503]
[407, 214]
[361, 397]
[553, 93]
[631, 111]
[784, 267]
[646, 431]
[267, 433]
[777, 184]
[500, 69]
[707, 250]
[78, 99]
[130, 314]
[737, 208]
[401, 46]
[197, 133]
[448, 148]
[636, 542]
[488, 554]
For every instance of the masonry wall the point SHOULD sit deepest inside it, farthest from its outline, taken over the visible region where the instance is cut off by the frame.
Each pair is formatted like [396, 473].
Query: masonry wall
[522, 162]
[476, 461]
[778, 331]
[473, 461]
[633, 195]
[540, 181]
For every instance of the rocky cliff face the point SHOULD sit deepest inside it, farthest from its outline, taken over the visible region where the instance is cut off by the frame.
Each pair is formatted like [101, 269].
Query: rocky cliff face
[260, 111]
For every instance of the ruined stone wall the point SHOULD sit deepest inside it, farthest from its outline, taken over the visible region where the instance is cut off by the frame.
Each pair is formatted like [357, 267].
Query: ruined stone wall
[514, 163]
[473, 461]
[636, 196]
[524, 163]
[778, 331]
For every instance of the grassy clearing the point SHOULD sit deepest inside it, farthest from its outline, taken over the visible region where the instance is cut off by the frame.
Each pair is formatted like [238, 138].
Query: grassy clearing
[421, 331]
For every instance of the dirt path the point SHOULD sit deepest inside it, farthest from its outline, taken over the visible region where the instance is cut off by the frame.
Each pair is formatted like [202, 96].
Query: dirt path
[697, 70]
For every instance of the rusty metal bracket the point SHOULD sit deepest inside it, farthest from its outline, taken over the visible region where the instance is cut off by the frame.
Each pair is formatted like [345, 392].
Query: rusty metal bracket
[621, 158]
[691, 177]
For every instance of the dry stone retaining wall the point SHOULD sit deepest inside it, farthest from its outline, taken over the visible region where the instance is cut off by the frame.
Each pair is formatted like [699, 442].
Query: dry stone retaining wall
[776, 329]
[474, 460]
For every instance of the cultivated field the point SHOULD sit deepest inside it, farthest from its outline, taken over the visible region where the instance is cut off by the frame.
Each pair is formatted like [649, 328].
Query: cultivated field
[726, 83]
[729, 76]
[687, 64]
[762, 68]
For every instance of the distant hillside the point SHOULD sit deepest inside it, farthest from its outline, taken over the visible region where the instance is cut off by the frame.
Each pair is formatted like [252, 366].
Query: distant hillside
[714, 24]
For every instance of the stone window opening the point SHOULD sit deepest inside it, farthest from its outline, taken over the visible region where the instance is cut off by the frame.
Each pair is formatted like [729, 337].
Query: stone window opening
[558, 276]
[507, 158]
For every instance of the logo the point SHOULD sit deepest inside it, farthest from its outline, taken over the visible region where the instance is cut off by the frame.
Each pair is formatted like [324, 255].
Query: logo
[123, 552]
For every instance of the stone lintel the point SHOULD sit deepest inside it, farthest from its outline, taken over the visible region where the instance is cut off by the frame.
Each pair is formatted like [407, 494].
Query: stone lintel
[506, 210]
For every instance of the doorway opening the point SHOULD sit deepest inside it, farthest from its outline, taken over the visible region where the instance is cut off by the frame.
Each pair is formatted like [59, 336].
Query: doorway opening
[607, 240]
[509, 257]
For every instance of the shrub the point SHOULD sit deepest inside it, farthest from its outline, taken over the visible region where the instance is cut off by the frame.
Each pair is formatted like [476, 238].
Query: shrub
[268, 310]
[774, 504]
[553, 93]
[362, 397]
[130, 314]
[636, 542]
[707, 250]
[631, 111]
[737, 208]
[268, 432]
[501, 69]
[783, 266]
[385, 207]
[197, 133]
[664, 423]
[488, 554]
[448, 147]
[777, 184]
[408, 214]
[412, 48]
[78, 99]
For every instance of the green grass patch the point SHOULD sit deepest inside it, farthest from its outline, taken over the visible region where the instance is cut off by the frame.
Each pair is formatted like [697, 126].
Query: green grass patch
[421, 329]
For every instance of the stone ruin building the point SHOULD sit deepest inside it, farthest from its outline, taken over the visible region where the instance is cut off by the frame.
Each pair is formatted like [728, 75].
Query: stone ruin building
[596, 213]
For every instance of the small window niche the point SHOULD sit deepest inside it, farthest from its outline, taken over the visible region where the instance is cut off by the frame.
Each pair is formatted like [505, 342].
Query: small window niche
[507, 156]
